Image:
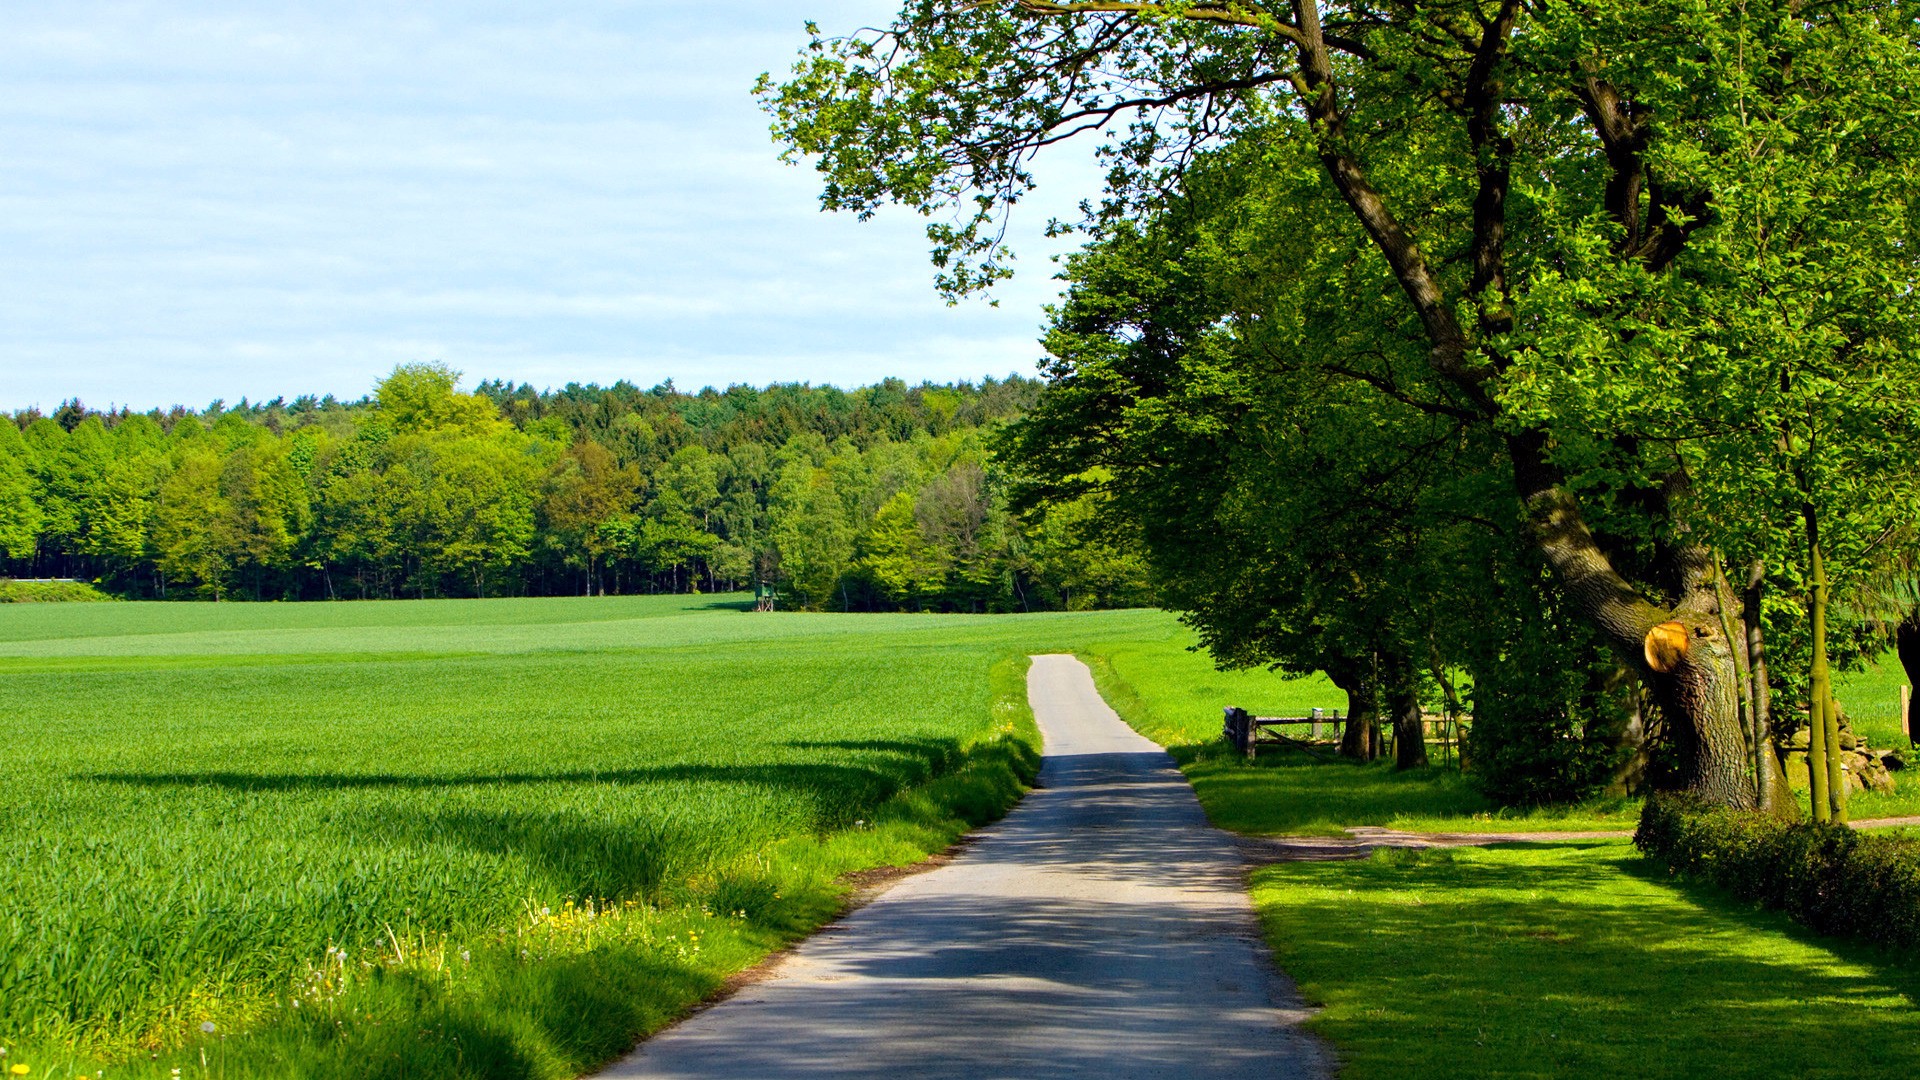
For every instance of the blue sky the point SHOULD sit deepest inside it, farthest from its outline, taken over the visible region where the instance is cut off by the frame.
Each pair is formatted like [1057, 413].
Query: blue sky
[203, 201]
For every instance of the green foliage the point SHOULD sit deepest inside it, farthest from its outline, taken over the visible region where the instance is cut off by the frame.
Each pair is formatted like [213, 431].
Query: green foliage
[48, 592]
[19, 502]
[423, 490]
[1551, 710]
[429, 785]
[1827, 877]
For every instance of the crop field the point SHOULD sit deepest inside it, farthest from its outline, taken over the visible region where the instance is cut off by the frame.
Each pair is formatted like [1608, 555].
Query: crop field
[466, 837]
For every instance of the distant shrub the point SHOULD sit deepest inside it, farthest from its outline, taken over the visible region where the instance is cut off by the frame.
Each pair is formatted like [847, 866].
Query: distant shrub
[44, 592]
[1827, 877]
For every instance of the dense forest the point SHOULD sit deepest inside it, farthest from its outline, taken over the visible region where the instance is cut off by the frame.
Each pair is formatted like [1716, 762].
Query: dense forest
[880, 498]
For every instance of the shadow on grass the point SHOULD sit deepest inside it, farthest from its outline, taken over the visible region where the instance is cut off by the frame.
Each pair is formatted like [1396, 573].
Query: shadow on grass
[886, 766]
[560, 1017]
[1575, 959]
[724, 605]
[1287, 791]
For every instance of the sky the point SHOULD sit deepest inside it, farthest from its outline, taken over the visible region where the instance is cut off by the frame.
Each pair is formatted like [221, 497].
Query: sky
[205, 201]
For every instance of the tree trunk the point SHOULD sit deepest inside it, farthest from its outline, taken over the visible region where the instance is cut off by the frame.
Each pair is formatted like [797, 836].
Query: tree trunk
[1906, 639]
[1776, 797]
[1360, 740]
[1824, 737]
[1403, 701]
[1680, 653]
[1629, 740]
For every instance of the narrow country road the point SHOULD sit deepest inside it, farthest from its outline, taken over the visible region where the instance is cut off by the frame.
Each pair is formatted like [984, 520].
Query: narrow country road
[1100, 929]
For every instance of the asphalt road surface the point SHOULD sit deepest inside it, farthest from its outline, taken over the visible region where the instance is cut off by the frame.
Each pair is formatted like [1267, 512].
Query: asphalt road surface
[1101, 929]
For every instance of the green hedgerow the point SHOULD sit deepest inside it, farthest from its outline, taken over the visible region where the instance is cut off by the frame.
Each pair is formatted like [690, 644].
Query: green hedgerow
[1827, 877]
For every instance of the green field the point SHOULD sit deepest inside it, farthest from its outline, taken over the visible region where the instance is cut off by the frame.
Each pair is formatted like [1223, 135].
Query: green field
[382, 812]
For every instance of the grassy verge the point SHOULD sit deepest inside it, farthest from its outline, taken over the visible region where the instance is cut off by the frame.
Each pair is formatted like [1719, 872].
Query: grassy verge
[1174, 697]
[48, 592]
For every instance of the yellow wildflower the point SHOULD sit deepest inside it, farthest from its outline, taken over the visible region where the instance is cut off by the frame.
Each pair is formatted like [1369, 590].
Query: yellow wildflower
[19, 1070]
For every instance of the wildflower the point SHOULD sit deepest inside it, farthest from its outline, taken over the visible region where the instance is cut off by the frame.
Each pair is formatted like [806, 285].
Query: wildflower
[19, 1070]
[466, 956]
[207, 1026]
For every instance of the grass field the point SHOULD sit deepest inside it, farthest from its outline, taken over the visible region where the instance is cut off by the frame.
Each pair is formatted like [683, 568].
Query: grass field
[493, 838]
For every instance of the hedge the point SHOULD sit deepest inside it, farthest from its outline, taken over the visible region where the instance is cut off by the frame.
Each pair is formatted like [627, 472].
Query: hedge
[40, 592]
[1827, 877]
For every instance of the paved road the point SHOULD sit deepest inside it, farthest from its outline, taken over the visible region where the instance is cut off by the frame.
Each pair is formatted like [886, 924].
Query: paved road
[1100, 929]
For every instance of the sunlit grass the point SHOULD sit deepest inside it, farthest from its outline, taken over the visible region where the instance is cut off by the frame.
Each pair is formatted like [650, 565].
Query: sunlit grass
[1872, 699]
[1573, 959]
[1175, 697]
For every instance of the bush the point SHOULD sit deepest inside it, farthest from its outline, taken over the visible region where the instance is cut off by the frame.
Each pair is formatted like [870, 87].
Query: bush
[1827, 877]
[1545, 722]
[40, 592]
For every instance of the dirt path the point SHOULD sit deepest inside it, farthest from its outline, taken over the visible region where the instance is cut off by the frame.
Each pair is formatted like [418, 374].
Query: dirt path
[1363, 840]
[1101, 929]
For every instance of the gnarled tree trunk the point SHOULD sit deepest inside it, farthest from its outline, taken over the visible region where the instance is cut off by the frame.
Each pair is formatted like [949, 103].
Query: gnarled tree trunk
[1361, 739]
[1403, 702]
[1680, 653]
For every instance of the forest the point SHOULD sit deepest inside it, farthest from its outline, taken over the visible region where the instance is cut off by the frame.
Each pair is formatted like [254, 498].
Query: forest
[879, 498]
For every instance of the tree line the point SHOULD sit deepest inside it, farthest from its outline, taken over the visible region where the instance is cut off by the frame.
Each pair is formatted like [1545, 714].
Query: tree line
[1563, 358]
[880, 498]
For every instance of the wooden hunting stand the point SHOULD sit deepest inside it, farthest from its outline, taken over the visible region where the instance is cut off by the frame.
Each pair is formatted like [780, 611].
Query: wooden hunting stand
[763, 596]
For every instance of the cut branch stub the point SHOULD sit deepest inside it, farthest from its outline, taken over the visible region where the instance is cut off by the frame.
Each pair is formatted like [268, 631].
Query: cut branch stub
[1665, 646]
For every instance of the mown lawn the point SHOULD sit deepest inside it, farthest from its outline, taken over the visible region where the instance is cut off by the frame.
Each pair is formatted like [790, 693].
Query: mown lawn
[1574, 959]
[470, 838]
